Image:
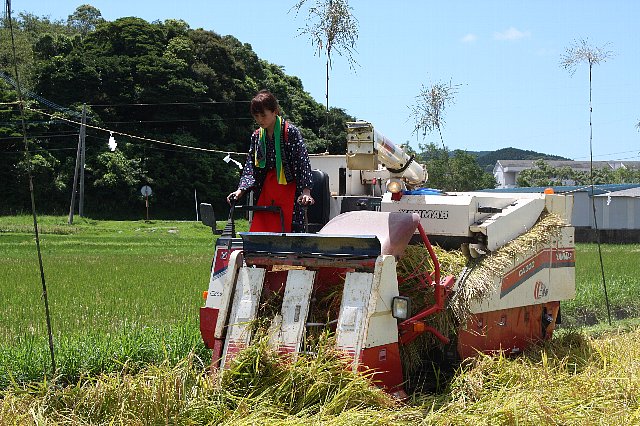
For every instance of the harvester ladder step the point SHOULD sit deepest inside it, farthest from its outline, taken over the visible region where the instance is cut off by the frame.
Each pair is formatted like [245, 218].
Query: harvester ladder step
[245, 307]
[295, 308]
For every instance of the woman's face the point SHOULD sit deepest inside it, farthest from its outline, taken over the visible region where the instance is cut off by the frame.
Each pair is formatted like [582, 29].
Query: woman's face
[266, 119]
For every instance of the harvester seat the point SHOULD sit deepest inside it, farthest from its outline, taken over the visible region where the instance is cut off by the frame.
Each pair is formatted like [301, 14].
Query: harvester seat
[318, 213]
[393, 229]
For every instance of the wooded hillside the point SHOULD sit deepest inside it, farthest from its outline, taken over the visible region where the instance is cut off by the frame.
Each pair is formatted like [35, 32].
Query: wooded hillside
[160, 81]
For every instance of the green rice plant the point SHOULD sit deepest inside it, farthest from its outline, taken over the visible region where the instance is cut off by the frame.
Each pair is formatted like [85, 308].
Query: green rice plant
[258, 381]
[621, 264]
[118, 292]
[131, 349]
[125, 299]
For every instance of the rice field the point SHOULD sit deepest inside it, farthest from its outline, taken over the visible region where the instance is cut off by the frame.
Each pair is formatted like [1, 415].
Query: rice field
[124, 299]
[118, 292]
[622, 277]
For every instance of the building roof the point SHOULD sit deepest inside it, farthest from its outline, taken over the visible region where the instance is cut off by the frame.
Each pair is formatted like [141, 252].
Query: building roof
[597, 189]
[520, 165]
[629, 192]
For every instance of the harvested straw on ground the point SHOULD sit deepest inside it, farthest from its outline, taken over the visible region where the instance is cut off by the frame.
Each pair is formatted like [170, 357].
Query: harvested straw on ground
[321, 380]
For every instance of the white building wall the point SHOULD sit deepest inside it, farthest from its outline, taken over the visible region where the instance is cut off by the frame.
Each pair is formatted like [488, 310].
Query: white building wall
[582, 211]
[510, 179]
[620, 213]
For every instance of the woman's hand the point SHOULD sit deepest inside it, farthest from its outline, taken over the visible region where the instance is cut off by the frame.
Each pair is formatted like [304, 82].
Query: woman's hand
[305, 199]
[235, 195]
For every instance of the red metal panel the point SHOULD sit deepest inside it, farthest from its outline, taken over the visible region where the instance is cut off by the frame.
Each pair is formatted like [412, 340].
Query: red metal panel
[216, 353]
[274, 282]
[385, 360]
[509, 330]
[208, 320]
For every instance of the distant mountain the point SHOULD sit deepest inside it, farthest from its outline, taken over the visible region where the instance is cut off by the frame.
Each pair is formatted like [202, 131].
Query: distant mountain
[487, 159]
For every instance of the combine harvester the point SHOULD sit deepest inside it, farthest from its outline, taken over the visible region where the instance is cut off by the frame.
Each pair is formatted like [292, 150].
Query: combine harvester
[344, 278]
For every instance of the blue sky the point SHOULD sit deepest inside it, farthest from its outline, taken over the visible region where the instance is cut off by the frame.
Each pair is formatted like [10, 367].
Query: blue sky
[504, 55]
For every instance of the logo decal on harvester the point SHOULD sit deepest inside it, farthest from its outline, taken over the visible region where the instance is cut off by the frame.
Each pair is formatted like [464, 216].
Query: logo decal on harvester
[428, 214]
[529, 266]
[547, 258]
[540, 290]
[564, 255]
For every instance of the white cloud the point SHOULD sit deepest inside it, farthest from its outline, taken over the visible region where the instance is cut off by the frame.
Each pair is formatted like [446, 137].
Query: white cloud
[469, 38]
[511, 34]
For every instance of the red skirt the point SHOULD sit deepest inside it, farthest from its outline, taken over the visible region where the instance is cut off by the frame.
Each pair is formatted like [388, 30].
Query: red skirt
[279, 195]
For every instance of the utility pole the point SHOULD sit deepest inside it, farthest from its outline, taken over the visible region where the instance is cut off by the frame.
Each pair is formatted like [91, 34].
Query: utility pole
[82, 137]
[79, 158]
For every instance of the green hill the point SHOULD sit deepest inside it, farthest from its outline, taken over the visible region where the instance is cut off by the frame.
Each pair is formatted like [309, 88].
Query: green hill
[487, 159]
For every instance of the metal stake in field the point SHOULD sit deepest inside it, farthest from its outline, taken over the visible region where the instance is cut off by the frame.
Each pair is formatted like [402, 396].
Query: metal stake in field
[31, 191]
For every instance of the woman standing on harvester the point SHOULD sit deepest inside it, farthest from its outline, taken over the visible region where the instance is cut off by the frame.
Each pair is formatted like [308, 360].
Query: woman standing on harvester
[278, 168]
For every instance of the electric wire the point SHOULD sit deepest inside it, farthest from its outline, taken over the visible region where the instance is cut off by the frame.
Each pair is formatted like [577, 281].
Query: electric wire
[31, 191]
[35, 96]
[169, 103]
[45, 136]
[184, 120]
[142, 138]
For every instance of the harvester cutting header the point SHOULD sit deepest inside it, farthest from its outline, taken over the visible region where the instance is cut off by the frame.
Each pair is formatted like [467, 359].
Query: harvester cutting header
[371, 276]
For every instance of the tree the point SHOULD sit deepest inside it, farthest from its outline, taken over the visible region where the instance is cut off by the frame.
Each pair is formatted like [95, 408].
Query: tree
[543, 174]
[159, 81]
[85, 19]
[625, 175]
[331, 27]
[467, 174]
[457, 172]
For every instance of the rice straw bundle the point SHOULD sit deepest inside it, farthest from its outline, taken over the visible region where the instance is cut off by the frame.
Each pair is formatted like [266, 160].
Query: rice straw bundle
[477, 278]
[481, 280]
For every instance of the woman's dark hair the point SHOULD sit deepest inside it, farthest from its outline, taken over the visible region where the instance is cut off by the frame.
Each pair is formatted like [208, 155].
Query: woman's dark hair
[264, 100]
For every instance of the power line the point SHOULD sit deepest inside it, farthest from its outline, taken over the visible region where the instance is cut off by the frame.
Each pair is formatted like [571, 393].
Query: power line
[35, 150]
[152, 148]
[169, 103]
[60, 135]
[37, 97]
[612, 153]
[142, 138]
[177, 121]
[10, 123]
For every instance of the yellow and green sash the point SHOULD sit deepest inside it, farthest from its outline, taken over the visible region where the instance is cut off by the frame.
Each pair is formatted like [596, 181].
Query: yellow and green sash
[262, 161]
